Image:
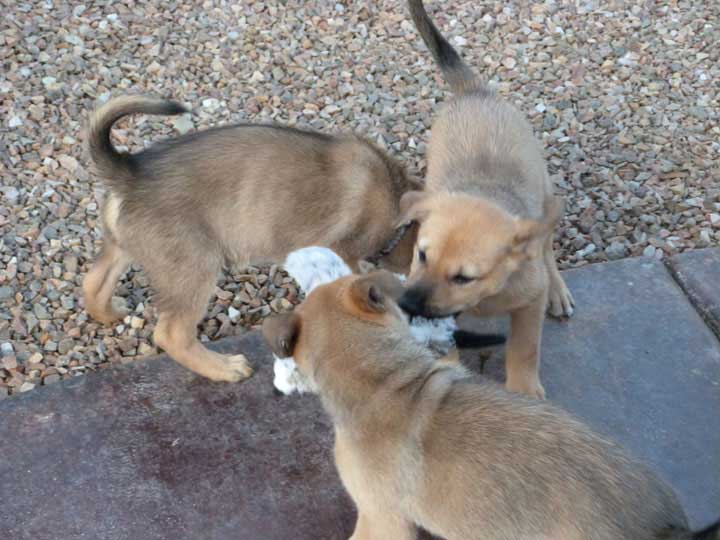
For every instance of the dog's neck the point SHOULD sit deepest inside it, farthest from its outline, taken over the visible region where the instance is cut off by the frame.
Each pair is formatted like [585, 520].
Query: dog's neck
[376, 385]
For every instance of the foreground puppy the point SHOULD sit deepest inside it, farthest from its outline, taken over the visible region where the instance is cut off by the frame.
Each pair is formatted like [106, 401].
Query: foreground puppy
[418, 443]
[486, 217]
[234, 194]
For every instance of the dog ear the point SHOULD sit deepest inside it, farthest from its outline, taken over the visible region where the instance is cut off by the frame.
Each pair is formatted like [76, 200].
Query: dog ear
[367, 295]
[372, 292]
[531, 234]
[412, 208]
[281, 333]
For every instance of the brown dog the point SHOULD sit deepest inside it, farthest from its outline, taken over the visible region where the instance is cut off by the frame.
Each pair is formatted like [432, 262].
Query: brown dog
[417, 443]
[486, 217]
[235, 194]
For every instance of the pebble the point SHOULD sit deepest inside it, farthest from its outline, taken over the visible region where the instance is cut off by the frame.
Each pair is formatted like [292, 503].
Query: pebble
[616, 250]
[9, 362]
[137, 322]
[65, 346]
[649, 251]
[40, 311]
[26, 386]
[50, 379]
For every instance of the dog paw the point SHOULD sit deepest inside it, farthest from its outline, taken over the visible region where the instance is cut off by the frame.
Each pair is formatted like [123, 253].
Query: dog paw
[115, 310]
[235, 369]
[560, 300]
[529, 387]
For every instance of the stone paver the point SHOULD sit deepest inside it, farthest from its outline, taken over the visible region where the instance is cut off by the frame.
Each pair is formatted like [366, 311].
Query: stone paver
[699, 274]
[638, 363]
[151, 451]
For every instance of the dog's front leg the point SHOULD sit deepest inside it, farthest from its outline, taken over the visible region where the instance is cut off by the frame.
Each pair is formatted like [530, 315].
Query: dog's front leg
[522, 363]
[378, 525]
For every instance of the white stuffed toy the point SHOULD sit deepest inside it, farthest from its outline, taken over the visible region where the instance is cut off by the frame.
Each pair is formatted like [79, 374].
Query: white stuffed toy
[314, 266]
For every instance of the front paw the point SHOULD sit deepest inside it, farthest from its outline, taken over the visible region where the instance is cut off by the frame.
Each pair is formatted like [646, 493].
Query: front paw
[230, 369]
[530, 386]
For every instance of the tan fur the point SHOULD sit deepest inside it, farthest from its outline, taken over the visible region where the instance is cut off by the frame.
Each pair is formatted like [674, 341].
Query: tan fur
[487, 213]
[419, 443]
[237, 194]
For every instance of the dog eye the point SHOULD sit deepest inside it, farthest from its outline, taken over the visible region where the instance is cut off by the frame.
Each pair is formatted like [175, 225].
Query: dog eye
[421, 256]
[461, 280]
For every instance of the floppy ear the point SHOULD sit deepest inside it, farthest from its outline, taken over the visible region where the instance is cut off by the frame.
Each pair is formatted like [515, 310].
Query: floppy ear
[412, 208]
[281, 333]
[367, 295]
[388, 283]
[531, 234]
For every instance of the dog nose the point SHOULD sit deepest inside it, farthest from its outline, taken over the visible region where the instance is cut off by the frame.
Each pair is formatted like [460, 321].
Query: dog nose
[413, 301]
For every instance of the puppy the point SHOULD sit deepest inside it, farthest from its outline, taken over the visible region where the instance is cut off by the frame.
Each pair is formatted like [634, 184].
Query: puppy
[486, 217]
[234, 194]
[419, 443]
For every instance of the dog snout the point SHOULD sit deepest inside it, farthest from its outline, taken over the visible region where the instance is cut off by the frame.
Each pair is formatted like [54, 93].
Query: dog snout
[414, 301]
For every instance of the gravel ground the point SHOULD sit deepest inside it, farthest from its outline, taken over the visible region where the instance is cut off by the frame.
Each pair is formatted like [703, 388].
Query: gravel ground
[625, 97]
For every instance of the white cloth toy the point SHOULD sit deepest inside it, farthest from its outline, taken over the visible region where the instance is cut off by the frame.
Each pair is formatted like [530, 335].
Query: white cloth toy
[314, 266]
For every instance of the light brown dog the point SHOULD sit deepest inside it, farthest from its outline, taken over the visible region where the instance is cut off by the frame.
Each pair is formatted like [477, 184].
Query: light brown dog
[486, 217]
[418, 443]
[234, 194]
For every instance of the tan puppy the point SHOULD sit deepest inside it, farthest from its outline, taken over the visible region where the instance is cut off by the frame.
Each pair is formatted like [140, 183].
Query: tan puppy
[486, 217]
[419, 443]
[234, 194]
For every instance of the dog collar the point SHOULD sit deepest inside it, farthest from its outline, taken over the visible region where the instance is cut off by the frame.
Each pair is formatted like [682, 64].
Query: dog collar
[391, 245]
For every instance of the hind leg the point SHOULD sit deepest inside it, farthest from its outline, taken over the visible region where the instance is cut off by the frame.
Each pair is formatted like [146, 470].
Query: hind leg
[176, 333]
[101, 280]
[560, 300]
[183, 297]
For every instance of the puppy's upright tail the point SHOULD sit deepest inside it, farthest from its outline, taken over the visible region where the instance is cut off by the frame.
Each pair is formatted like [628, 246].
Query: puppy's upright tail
[460, 77]
[112, 164]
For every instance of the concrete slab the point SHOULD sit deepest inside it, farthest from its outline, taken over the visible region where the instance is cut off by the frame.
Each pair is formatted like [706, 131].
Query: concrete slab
[150, 451]
[638, 363]
[698, 272]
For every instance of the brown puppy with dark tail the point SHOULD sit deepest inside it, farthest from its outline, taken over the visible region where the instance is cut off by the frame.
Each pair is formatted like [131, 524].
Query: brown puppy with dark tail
[419, 443]
[486, 217]
[236, 194]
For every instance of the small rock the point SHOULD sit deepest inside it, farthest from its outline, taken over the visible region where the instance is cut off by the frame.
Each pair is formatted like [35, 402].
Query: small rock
[26, 386]
[9, 362]
[40, 311]
[65, 346]
[6, 349]
[137, 322]
[50, 379]
[68, 162]
[649, 251]
[616, 250]
[183, 124]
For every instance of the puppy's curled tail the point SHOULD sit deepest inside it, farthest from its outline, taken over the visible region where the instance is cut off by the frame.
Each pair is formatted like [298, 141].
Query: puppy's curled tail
[460, 77]
[110, 163]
